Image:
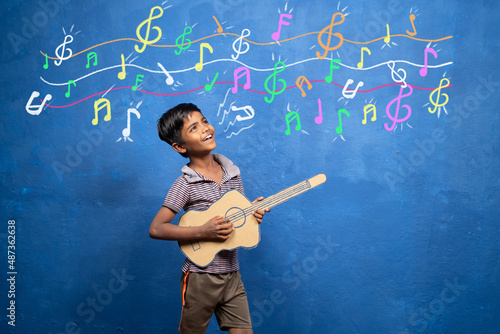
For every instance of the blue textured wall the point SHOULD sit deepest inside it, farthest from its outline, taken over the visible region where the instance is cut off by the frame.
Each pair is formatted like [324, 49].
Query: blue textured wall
[402, 238]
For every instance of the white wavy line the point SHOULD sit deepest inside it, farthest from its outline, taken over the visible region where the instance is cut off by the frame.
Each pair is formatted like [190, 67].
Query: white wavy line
[243, 64]
[237, 133]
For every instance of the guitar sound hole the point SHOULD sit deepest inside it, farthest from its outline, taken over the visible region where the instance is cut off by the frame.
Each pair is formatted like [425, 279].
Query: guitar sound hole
[236, 216]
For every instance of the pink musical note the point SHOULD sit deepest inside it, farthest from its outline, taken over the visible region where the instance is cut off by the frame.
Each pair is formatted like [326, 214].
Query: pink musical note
[237, 75]
[276, 35]
[319, 119]
[423, 71]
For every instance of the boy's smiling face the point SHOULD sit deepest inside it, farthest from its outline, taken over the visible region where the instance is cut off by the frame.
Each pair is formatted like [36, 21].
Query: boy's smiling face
[198, 136]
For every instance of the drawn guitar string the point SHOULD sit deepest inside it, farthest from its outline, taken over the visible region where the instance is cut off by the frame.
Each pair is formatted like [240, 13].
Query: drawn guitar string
[243, 64]
[250, 41]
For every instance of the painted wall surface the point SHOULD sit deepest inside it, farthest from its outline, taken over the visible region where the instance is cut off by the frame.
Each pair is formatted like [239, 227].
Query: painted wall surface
[395, 101]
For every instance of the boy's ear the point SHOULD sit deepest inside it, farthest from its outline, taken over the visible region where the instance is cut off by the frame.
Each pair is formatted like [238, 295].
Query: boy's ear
[179, 148]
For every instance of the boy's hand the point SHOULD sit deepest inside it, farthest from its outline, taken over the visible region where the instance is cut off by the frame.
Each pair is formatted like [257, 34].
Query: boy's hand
[259, 214]
[217, 228]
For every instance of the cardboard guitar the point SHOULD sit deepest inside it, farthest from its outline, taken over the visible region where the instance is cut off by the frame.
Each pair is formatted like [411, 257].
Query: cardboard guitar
[239, 210]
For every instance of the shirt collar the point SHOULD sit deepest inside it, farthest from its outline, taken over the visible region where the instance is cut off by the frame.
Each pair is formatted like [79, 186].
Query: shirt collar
[230, 168]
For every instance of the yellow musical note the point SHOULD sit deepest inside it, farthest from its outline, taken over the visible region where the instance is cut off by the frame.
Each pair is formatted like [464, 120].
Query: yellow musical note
[363, 49]
[146, 40]
[367, 109]
[98, 105]
[388, 38]
[122, 74]
[199, 66]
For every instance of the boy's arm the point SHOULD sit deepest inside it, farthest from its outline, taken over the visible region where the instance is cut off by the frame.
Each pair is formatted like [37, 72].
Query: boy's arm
[217, 228]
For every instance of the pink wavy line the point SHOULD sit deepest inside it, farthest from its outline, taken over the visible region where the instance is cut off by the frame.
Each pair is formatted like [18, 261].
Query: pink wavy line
[232, 83]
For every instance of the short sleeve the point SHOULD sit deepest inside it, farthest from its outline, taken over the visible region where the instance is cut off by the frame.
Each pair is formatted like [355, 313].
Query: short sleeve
[177, 196]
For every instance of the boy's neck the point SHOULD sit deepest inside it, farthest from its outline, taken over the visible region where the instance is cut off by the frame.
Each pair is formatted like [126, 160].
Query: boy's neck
[204, 164]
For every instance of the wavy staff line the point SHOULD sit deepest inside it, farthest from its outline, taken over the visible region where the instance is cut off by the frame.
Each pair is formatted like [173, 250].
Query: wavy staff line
[243, 64]
[247, 40]
[232, 83]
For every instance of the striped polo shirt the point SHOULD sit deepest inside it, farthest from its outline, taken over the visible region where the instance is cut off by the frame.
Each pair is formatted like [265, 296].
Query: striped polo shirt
[192, 191]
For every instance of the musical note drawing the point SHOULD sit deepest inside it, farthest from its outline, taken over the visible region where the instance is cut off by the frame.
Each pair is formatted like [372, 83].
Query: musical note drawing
[208, 87]
[329, 78]
[292, 115]
[146, 40]
[276, 35]
[363, 49]
[219, 29]
[339, 128]
[438, 91]
[395, 119]
[244, 71]
[126, 131]
[46, 65]
[199, 66]
[368, 109]
[273, 92]
[391, 64]
[414, 32]
[330, 34]
[244, 33]
[170, 80]
[183, 45]
[122, 74]
[387, 39]
[319, 119]
[60, 56]
[250, 113]
[98, 105]
[91, 55]
[70, 82]
[137, 80]
[351, 93]
[423, 71]
[300, 81]
[36, 109]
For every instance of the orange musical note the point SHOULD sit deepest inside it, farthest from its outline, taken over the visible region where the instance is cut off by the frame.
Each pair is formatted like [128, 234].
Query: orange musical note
[199, 66]
[237, 75]
[122, 74]
[414, 32]
[290, 117]
[363, 49]
[367, 109]
[327, 46]
[300, 81]
[98, 105]
[219, 29]
[388, 38]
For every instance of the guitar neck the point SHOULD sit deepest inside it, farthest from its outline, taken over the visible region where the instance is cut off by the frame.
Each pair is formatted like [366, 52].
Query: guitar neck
[287, 193]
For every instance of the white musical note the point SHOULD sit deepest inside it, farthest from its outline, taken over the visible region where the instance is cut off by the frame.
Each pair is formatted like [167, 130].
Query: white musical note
[351, 93]
[250, 113]
[126, 131]
[36, 109]
[170, 79]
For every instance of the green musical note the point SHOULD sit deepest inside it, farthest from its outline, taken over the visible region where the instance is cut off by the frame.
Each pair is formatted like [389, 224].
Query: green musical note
[273, 92]
[182, 45]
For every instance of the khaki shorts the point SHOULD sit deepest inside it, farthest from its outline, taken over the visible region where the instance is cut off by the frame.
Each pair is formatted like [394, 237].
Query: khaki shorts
[206, 294]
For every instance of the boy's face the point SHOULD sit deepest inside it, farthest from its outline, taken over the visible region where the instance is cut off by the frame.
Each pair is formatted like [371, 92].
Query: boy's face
[198, 136]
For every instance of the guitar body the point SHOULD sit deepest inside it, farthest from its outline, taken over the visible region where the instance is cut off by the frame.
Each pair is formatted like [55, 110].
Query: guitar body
[246, 233]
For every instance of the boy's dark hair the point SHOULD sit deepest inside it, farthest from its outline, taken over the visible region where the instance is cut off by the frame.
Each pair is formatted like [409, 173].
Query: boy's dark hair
[170, 123]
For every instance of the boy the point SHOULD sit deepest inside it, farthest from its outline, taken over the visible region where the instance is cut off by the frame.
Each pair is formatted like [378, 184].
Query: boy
[216, 288]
